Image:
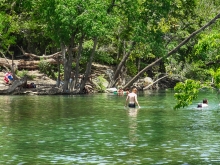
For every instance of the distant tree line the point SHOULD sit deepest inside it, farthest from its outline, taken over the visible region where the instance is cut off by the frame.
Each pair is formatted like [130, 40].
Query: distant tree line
[134, 36]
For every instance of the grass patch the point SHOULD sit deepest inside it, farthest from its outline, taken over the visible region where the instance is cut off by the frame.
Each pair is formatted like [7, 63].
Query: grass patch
[24, 73]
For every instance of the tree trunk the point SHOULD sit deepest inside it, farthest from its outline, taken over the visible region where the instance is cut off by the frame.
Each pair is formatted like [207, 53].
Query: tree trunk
[63, 52]
[172, 51]
[58, 78]
[68, 59]
[89, 66]
[77, 61]
[120, 65]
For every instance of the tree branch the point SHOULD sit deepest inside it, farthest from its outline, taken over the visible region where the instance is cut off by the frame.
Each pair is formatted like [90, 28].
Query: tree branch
[174, 50]
[154, 82]
[55, 55]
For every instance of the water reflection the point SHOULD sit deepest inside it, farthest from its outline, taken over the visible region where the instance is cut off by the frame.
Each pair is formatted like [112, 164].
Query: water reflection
[95, 129]
[132, 113]
[5, 103]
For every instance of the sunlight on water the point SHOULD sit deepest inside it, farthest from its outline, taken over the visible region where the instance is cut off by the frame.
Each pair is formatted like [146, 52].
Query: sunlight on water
[97, 129]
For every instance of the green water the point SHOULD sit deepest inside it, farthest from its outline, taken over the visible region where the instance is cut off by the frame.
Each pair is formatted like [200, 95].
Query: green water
[97, 129]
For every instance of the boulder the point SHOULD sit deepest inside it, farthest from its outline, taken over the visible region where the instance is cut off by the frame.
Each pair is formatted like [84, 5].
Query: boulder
[142, 83]
[147, 81]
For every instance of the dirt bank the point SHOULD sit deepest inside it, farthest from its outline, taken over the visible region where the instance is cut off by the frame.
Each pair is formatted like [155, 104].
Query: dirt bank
[44, 85]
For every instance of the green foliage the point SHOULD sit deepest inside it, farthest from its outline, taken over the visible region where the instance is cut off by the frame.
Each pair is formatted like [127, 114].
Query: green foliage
[186, 92]
[216, 77]
[100, 83]
[155, 26]
[43, 66]
[197, 57]
[207, 48]
[131, 67]
[103, 58]
[46, 68]
[204, 7]
[196, 71]
[62, 19]
[7, 26]
[61, 72]
[24, 73]
[87, 48]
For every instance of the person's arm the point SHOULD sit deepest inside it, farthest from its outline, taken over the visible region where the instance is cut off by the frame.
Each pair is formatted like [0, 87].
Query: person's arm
[126, 101]
[136, 101]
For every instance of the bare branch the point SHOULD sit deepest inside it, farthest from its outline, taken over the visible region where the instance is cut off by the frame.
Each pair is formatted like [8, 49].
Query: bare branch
[55, 55]
[154, 82]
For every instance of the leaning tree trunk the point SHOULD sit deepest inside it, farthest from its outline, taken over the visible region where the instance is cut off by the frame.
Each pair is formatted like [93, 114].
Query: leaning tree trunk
[121, 64]
[172, 51]
[89, 66]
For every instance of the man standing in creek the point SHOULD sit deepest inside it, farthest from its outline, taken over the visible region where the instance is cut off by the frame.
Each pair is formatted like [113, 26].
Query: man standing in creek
[131, 100]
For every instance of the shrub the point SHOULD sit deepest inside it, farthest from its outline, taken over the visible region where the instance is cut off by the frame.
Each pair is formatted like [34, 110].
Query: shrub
[23, 73]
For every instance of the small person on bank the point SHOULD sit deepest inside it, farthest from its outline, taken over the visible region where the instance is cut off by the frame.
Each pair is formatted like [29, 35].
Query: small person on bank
[131, 100]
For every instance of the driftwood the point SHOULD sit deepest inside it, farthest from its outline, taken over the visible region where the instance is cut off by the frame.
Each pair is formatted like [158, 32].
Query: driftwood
[15, 84]
[22, 64]
[34, 61]
[54, 56]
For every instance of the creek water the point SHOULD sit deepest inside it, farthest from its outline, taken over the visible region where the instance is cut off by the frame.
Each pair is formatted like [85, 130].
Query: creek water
[97, 129]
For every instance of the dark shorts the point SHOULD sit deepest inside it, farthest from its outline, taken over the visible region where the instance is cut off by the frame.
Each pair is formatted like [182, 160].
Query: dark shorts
[131, 105]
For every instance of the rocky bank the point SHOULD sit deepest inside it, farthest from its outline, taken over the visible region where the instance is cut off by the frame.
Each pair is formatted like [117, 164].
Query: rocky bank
[47, 86]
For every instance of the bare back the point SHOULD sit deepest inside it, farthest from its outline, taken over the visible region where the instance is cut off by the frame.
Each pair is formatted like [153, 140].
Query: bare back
[132, 97]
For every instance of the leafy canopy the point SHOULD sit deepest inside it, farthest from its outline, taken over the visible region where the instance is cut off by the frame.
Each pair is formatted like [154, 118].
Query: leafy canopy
[65, 18]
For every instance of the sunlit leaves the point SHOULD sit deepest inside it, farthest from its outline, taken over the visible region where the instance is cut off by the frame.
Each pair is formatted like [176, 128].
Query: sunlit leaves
[208, 46]
[186, 92]
[7, 26]
[2, 18]
[216, 77]
[207, 9]
[65, 17]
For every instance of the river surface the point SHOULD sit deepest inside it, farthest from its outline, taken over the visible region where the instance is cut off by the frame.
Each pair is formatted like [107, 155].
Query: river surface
[97, 129]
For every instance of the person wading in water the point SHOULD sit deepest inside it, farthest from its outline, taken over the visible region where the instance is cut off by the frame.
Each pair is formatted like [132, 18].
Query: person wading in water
[131, 100]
